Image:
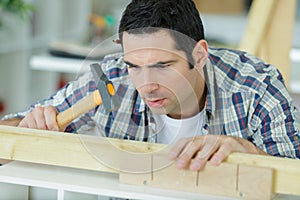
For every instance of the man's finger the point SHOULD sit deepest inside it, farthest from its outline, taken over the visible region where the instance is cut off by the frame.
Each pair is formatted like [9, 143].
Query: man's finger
[177, 149]
[203, 156]
[39, 117]
[28, 122]
[229, 145]
[189, 152]
[23, 124]
[50, 118]
[220, 155]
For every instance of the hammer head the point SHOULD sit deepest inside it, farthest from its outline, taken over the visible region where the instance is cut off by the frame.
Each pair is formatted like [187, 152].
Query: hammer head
[110, 100]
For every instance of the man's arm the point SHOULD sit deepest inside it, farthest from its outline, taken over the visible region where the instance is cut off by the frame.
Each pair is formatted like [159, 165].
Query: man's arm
[42, 114]
[11, 122]
[39, 118]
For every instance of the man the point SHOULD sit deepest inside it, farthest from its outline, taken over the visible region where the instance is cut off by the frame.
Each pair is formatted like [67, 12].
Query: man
[175, 89]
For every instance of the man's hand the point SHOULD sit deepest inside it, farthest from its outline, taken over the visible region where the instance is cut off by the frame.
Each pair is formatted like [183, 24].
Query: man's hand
[196, 152]
[41, 118]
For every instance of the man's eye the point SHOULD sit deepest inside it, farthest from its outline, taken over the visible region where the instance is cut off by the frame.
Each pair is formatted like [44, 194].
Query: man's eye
[163, 66]
[131, 66]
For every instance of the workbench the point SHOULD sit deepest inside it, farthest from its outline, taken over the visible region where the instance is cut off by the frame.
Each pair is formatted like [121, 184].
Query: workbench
[73, 164]
[62, 183]
[20, 180]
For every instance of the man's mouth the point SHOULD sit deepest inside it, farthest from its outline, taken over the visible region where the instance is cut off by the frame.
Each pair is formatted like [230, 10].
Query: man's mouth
[155, 103]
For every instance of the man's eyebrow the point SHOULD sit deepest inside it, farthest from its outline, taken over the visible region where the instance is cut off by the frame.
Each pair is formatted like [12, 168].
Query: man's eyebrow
[163, 63]
[130, 64]
[152, 65]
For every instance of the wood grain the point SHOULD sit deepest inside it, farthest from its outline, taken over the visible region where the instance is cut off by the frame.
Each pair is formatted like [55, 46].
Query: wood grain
[269, 33]
[121, 156]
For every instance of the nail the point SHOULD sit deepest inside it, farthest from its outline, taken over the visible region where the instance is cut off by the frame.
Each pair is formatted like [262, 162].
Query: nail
[180, 164]
[215, 161]
[195, 166]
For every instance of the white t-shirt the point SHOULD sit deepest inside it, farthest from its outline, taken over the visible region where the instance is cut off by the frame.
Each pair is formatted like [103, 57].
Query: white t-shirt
[169, 130]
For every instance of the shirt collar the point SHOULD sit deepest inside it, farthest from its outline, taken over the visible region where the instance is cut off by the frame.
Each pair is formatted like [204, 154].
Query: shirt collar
[209, 74]
[141, 106]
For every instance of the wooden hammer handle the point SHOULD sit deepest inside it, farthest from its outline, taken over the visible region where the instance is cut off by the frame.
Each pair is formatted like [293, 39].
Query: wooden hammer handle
[84, 105]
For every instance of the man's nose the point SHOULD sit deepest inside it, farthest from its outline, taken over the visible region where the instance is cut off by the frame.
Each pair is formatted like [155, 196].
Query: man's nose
[149, 82]
[149, 88]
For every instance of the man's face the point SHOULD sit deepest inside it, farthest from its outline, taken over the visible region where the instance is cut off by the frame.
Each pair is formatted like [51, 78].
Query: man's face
[161, 74]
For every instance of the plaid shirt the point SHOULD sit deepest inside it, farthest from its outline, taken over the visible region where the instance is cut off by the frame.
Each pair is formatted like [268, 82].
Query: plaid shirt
[245, 98]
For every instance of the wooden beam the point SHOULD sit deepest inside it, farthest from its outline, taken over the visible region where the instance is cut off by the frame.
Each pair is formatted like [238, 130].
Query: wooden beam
[286, 171]
[277, 42]
[223, 7]
[269, 33]
[69, 150]
[231, 180]
[258, 19]
[126, 157]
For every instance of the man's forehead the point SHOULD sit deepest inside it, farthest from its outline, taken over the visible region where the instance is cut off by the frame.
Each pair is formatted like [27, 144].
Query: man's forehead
[160, 40]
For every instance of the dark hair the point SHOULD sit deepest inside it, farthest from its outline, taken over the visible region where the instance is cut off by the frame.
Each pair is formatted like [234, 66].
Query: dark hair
[177, 16]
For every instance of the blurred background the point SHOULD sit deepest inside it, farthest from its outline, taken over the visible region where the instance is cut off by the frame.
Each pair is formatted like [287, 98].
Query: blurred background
[43, 42]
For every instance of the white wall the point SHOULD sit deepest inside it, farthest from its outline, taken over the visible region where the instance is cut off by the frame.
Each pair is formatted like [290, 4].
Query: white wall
[65, 19]
[52, 19]
[14, 45]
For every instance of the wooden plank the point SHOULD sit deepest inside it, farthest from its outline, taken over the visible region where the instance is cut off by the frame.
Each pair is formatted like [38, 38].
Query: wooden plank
[258, 18]
[172, 178]
[221, 7]
[211, 180]
[51, 148]
[230, 180]
[286, 171]
[84, 181]
[277, 42]
[103, 154]
[221, 180]
[255, 183]
[64, 149]
[269, 33]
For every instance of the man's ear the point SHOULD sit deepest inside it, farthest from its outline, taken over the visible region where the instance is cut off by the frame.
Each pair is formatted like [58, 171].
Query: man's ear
[200, 54]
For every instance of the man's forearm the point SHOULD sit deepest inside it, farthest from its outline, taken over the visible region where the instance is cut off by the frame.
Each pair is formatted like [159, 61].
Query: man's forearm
[11, 122]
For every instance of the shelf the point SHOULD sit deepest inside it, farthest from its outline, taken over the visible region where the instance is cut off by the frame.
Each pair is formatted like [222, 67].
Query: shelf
[295, 55]
[57, 64]
[70, 65]
[87, 182]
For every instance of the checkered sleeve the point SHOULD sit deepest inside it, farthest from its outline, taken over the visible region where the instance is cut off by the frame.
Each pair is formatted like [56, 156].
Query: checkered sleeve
[64, 99]
[278, 131]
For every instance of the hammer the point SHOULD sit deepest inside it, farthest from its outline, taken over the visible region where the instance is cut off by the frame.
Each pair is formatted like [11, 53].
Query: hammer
[105, 95]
